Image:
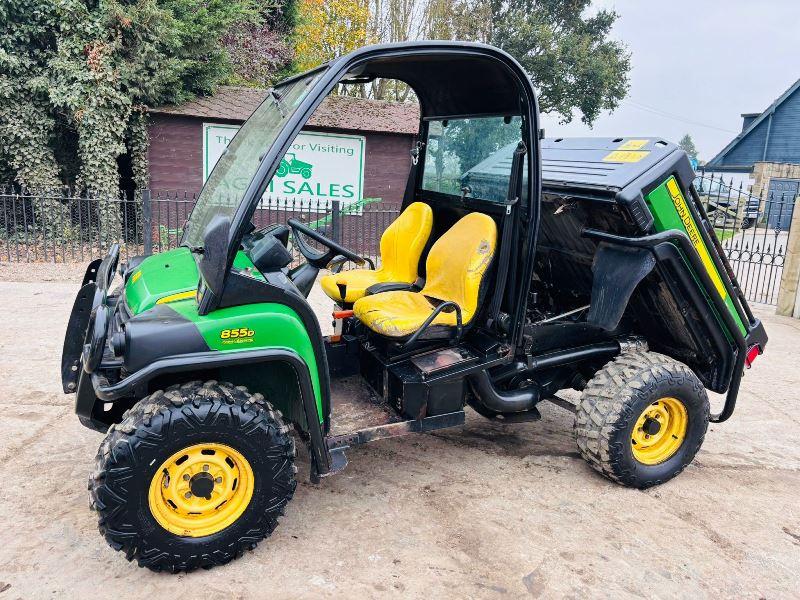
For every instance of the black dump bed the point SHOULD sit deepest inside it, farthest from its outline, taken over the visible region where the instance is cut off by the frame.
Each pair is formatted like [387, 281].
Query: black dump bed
[605, 201]
[602, 184]
[602, 163]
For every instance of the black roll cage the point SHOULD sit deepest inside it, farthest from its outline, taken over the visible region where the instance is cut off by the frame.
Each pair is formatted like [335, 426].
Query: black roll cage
[336, 71]
[331, 75]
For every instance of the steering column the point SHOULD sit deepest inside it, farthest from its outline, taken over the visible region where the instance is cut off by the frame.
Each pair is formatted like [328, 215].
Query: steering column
[304, 276]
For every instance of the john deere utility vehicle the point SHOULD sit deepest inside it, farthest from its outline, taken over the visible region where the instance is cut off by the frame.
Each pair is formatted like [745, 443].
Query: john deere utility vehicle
[517, 269]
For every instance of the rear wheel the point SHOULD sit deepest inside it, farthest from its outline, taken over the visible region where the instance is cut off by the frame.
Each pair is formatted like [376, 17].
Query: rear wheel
[641, 419]
[193, 476]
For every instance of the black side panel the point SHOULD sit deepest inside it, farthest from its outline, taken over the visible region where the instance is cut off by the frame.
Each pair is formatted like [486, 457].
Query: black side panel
[617, 272]
[714, 361]
[159, 332]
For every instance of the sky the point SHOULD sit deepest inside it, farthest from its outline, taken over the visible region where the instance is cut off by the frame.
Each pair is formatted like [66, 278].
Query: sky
[696, 66]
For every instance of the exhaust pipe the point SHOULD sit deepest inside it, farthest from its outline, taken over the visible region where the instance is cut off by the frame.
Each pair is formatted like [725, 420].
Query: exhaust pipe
[511, 401]
[514, 401]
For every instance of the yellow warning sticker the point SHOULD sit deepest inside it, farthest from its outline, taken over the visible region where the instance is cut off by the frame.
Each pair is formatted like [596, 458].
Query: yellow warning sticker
[633, 145]
[694, 235]
[626, 156]
[177, 297]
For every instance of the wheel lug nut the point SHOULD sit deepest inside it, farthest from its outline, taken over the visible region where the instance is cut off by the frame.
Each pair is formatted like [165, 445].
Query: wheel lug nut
[188, 495]
[218, 480]
[186, 477]
[205, 467]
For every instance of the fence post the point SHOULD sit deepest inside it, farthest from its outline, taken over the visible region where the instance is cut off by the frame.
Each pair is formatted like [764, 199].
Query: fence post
[336, 221]
[147, 222]
[789, 291]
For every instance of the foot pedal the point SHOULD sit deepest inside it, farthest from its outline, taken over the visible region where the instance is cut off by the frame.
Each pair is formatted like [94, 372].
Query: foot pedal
[338, 462]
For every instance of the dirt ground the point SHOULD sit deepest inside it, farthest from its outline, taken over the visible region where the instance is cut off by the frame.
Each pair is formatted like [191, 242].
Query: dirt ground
[485, 511]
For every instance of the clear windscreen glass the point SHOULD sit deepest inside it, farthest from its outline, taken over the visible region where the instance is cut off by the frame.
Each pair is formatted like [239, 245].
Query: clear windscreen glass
[224, 190]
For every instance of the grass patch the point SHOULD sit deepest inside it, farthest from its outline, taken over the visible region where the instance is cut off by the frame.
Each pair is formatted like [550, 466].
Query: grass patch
[724, 234]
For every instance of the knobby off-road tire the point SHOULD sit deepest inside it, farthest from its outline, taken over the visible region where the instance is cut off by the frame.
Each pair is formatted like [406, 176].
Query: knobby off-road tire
[615, 399]
[166, 423]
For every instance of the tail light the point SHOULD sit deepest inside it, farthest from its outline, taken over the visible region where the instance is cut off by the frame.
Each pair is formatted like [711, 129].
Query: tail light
[752, 354]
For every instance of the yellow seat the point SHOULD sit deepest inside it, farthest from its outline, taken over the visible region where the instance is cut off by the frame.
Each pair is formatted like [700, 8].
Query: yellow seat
[401, 248]
[455, 268]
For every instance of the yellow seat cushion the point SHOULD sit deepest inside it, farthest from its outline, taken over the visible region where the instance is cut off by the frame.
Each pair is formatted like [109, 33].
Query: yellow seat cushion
[398, 314]
[455, 267]
[401, 248]
[356, 280]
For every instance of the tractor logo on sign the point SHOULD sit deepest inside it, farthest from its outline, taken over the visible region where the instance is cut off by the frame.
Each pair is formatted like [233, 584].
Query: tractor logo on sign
[291, 165]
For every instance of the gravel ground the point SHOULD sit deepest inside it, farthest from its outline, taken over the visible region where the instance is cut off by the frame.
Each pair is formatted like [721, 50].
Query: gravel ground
[484, 511]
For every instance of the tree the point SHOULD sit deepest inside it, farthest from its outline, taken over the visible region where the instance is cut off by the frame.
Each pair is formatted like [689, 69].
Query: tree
[687, 143]
[329, 28]
[569, 56]
[76, 75]
[262, 52]
[566, 50]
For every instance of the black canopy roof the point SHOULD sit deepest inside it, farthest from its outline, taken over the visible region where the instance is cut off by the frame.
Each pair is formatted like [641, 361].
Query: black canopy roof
[451, 84]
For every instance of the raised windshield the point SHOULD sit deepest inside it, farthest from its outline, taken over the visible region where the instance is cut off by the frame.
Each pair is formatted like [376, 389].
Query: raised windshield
[224, 190]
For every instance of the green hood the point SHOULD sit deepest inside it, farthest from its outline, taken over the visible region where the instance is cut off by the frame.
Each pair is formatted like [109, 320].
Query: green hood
[173, 273]
[160, 276]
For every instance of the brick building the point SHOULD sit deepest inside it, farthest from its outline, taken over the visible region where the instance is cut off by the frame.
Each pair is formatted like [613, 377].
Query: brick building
[177, 145]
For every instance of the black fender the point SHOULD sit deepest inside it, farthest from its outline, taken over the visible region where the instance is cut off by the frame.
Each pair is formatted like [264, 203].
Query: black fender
[135, 385]
[617, 271]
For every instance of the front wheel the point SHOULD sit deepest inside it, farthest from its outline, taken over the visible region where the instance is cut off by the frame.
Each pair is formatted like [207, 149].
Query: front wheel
[193, 476]
[641, 419]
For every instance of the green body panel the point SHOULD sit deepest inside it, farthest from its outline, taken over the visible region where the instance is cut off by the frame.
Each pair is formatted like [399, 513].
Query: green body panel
[668, 206]
[231, 329]
[256, 326]
[160, 275]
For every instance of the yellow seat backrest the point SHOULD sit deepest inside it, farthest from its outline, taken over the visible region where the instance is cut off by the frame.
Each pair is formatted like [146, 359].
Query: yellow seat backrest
[403, 242]
[458, 261]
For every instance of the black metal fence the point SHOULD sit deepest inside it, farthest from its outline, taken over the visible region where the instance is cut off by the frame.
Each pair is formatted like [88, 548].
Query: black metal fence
[67, 227]
[62, 226]
[753, 230]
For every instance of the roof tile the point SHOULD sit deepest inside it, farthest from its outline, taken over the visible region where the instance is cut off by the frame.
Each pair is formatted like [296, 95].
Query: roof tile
[235, 103]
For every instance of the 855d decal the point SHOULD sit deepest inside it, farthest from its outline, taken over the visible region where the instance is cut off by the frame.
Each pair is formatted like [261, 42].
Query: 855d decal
[239, 335]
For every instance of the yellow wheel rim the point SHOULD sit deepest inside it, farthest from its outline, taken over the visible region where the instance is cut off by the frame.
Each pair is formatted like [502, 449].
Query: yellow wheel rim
[201, 490]
[659, 431]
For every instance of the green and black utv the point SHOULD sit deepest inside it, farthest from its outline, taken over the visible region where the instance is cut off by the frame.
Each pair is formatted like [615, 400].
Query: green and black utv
[517, 268]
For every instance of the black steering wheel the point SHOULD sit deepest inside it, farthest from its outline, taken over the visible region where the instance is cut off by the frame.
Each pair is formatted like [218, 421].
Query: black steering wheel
[320, 259]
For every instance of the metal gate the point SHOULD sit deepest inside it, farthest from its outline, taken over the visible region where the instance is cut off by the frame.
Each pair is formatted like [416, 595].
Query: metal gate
[753, 231]
[787, 188]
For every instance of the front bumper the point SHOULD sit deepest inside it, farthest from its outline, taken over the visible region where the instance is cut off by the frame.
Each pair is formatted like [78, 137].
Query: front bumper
[82, 338]
[88, 298]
